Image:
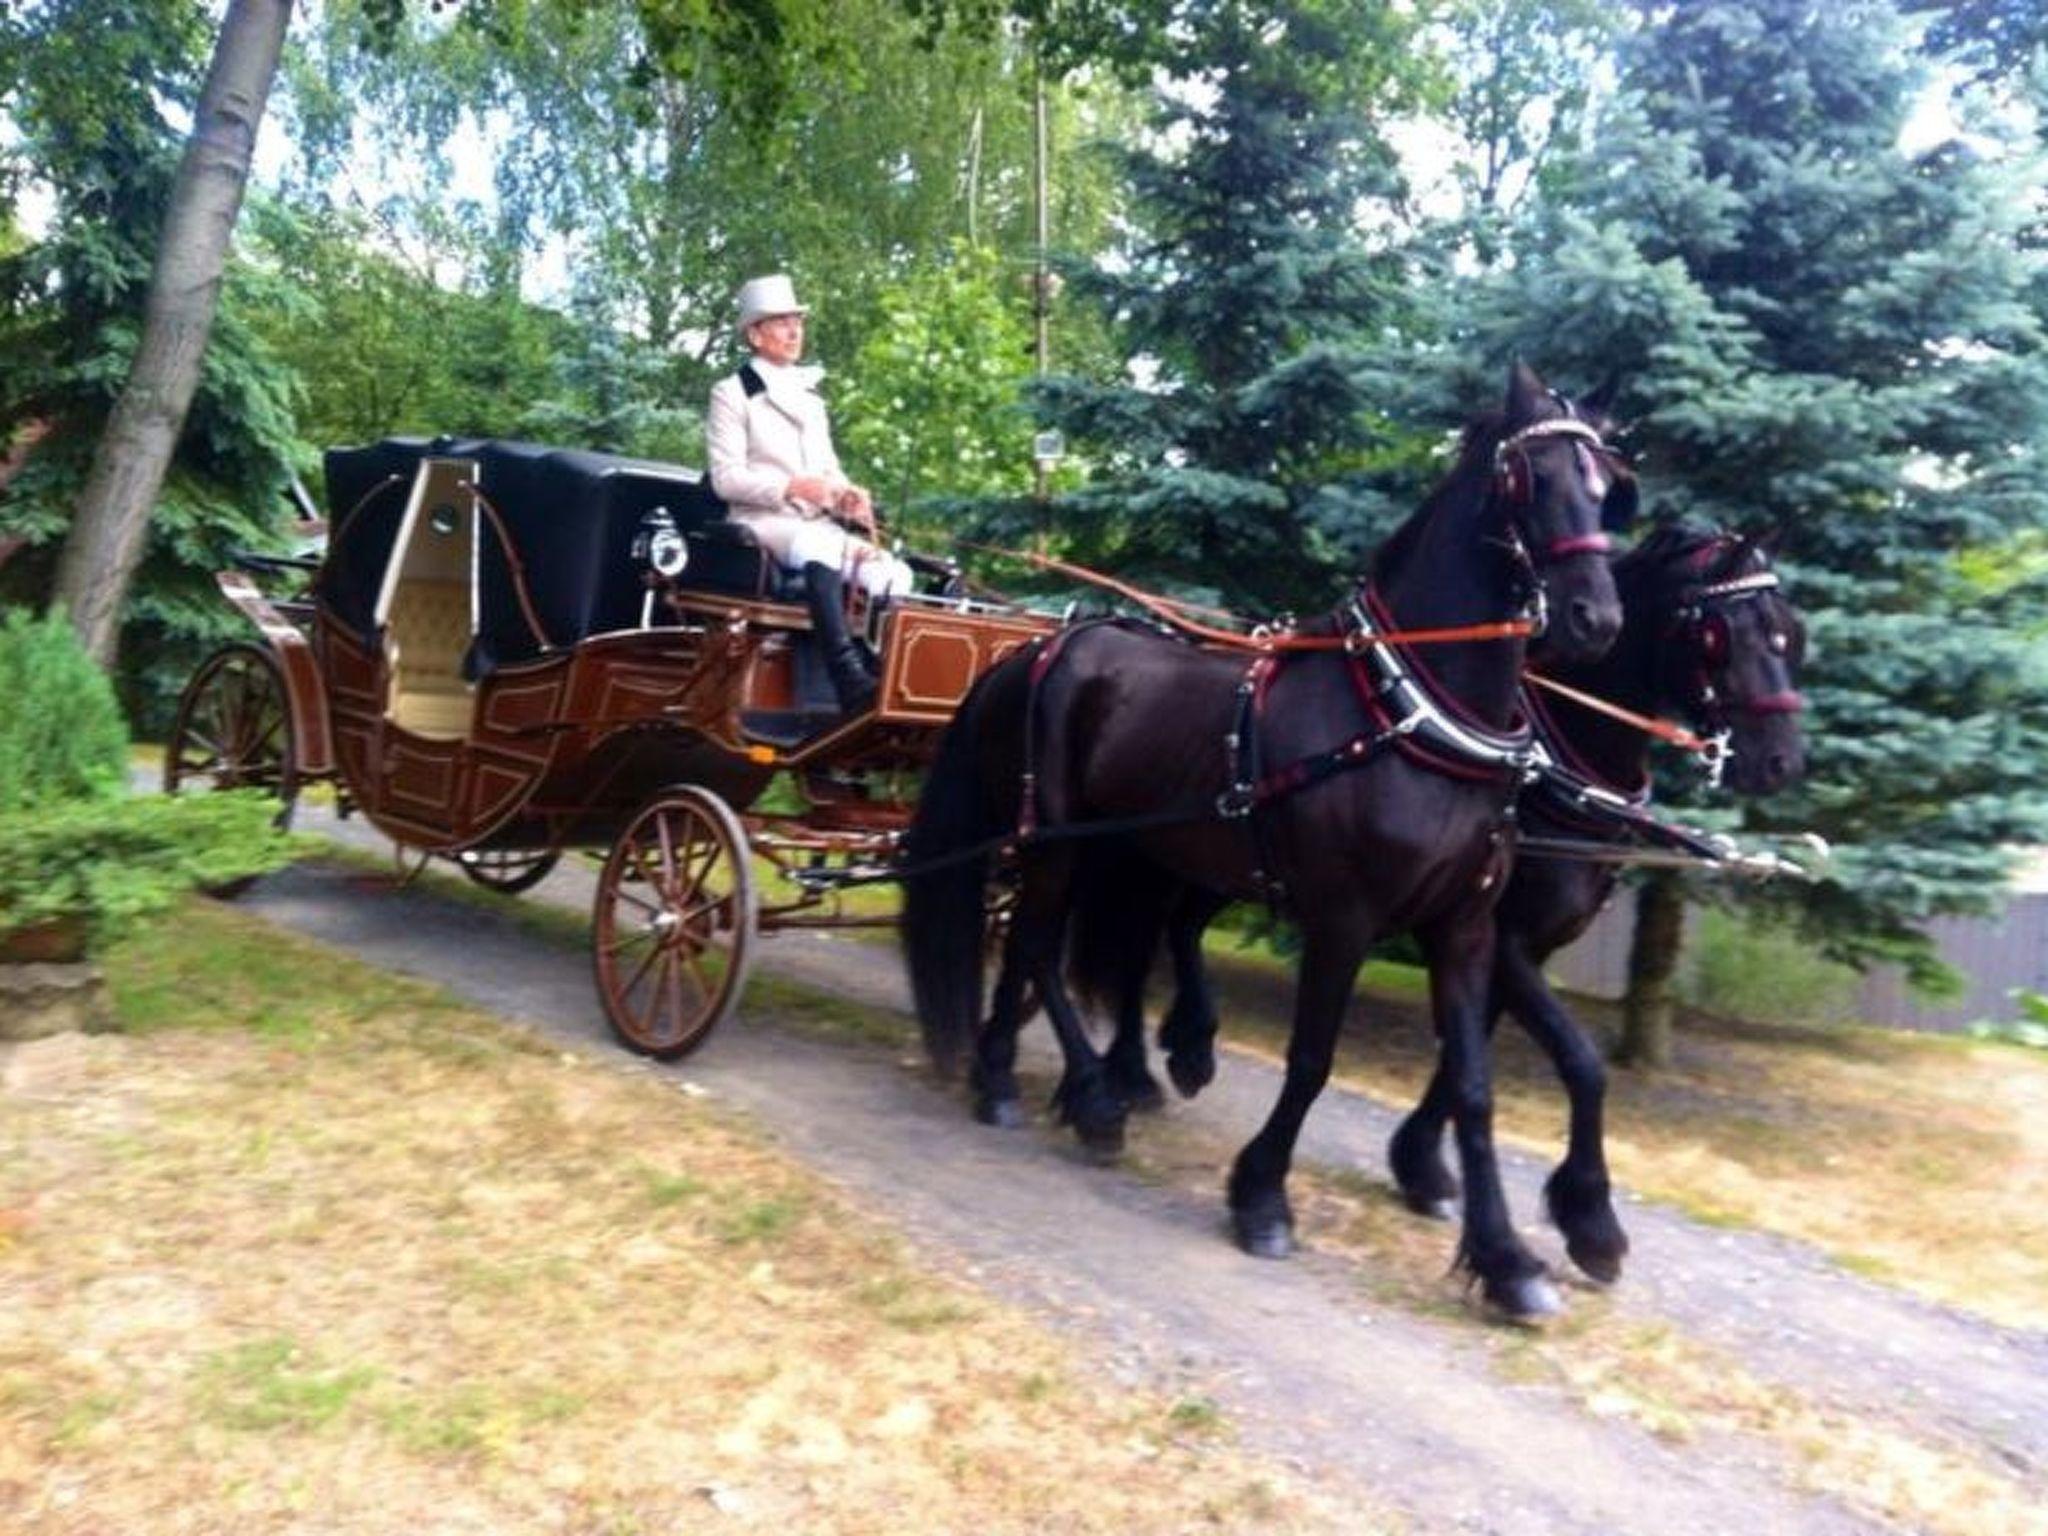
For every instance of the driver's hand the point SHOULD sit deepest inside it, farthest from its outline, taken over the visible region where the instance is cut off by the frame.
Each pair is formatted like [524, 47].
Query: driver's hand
[856, 509]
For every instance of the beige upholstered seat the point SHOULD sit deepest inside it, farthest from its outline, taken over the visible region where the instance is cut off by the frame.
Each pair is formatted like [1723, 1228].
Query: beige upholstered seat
[425, 639]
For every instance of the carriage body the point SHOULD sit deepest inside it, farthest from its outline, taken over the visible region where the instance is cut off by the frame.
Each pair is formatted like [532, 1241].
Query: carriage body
[491, 669]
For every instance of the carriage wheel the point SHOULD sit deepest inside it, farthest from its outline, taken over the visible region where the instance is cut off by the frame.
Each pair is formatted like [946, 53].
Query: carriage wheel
[508, 871]
[673, 933]
[233, 730]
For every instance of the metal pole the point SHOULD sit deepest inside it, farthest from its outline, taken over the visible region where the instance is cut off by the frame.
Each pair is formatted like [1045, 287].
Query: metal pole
[1039, 281]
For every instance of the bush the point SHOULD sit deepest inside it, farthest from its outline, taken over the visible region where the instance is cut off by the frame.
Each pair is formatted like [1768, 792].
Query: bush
[2030, 1028]
[110, 863]
[1746, 969]
[61, 732]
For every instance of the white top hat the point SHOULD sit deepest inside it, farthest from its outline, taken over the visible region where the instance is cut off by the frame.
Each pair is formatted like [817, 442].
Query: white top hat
[763, 297]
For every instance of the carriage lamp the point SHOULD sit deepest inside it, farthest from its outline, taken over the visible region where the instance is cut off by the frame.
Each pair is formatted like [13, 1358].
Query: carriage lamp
[659, 546]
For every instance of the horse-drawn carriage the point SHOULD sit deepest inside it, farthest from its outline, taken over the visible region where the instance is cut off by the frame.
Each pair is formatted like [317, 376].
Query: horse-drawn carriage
[508, 651]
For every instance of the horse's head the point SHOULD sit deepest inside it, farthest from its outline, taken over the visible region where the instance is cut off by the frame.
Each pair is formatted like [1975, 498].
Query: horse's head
[1732, 646]
[1554, 480]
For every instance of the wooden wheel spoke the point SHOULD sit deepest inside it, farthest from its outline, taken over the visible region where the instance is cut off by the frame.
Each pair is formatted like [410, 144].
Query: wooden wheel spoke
[692, 918]
[646, 963]
[700, 870]
[707, 985]
[672, 974]
[668, 856]
[214, 755]
[652, 909]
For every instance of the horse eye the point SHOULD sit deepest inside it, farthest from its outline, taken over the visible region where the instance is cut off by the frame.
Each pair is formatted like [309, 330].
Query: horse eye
[1780, 642]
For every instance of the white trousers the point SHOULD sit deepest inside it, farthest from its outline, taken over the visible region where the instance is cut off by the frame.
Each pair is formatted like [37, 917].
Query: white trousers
[796, 542]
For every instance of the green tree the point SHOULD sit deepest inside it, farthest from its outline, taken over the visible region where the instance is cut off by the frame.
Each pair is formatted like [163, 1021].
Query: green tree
[619, 150]
[1248, 298]
[934, 408]
[1834, 337]
[110, 523]
[88, 99]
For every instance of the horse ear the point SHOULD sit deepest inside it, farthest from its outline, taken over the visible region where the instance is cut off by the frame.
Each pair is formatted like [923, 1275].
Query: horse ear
[1526, 391]
[1769, 540]
[1601, 401]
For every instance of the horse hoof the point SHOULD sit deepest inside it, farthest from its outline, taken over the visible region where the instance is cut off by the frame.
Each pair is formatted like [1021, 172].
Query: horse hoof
[1006, 1114]
[1264, 1235]
[1142, 1098]
[1525, 1298]
[1435, 1207]
[1596, 1262]
[1190, 1077]
[1102, 1140]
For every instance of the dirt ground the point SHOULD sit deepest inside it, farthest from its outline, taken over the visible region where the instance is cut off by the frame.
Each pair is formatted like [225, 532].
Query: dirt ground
[1732, 1380]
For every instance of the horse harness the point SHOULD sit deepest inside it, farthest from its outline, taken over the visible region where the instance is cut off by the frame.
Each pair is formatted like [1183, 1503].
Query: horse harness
[1403, 711]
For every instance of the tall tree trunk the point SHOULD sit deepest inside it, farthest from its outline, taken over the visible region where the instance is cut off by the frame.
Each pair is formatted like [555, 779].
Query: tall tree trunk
[1652, 962]
[108, 532]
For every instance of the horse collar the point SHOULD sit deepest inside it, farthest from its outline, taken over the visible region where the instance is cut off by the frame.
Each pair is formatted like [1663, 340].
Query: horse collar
[1390, 681]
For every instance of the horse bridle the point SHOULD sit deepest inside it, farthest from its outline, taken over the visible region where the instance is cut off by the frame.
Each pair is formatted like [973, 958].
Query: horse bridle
[1700, 623]
[1514, 485]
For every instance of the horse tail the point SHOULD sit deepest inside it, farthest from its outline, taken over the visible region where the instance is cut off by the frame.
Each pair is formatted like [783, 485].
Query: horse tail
[944, 906]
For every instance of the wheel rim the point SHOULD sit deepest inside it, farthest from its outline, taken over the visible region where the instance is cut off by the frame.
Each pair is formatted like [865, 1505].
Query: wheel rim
[674, 925]
[232, 730]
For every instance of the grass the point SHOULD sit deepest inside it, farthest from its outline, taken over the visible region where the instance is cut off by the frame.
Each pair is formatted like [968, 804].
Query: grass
[310, 1243]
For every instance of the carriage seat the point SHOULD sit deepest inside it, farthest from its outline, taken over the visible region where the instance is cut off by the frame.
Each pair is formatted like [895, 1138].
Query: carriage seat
[726, 557]
[425, 640]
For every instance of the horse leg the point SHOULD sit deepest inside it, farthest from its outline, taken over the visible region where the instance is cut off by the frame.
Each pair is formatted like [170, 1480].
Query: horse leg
[1578, 1193]
[1085, 1099]
[1188, 1032]
[1259, 1211]
[1415, 1152]
[1130, 1077]
[1460, 951]
[993, 1076]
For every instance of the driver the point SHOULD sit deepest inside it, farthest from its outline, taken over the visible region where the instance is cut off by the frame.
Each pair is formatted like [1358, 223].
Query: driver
[772, 462]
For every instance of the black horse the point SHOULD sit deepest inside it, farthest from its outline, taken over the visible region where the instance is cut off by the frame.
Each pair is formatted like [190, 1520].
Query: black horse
[1364, 792]
[1706, 633]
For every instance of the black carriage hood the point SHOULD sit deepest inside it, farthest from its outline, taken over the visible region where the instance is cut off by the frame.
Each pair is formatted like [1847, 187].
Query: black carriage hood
[570, 516]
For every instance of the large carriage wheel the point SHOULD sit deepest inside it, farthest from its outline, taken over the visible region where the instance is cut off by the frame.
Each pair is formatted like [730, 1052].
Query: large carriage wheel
[508, 871]
[673, 933]
[233, 730]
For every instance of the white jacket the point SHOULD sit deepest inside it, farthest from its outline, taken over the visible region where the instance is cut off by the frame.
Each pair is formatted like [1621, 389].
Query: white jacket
[757, 443]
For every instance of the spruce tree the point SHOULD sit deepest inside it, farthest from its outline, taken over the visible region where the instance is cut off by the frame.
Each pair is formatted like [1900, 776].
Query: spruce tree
[1243, 297]
[1840, 339]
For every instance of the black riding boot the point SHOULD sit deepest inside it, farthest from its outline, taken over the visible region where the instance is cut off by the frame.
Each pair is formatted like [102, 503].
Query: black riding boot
[851, 677]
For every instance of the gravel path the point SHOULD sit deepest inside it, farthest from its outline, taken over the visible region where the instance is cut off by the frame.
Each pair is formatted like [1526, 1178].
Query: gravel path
[1409, 1409]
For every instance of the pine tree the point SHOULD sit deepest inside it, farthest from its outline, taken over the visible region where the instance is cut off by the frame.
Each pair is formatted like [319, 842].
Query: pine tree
[1841, 339]
[1244, 295]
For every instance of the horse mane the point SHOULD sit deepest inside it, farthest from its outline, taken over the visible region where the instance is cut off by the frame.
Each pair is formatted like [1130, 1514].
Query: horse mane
[1476, 448]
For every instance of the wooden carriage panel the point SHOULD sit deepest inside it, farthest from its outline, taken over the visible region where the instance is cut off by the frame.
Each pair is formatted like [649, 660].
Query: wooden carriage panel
[933, 656]
[353, 673]
[523, 704]
[305, 695]
[422, 777]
